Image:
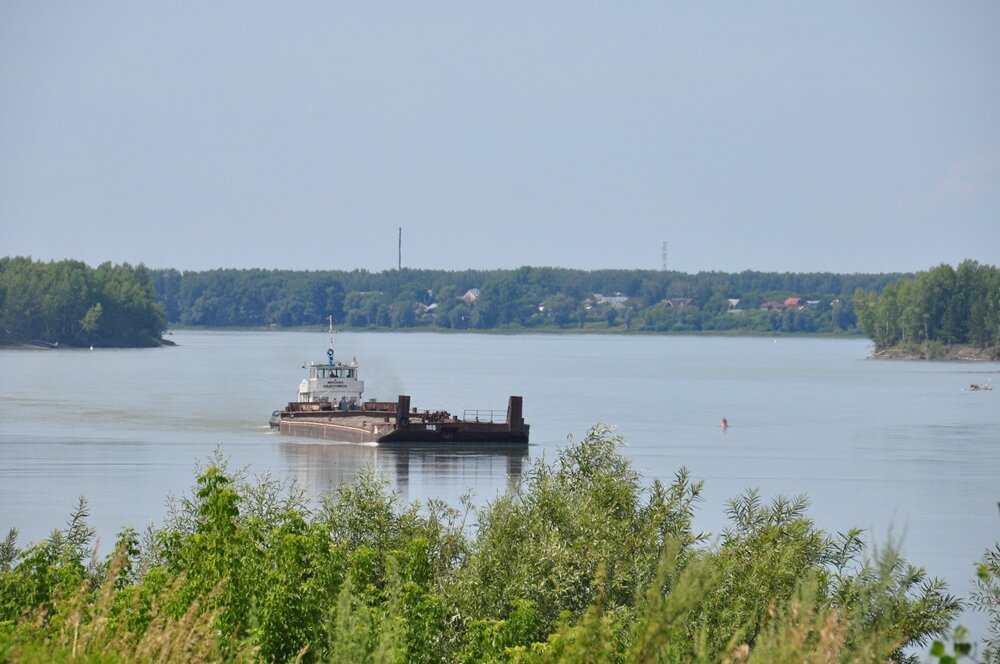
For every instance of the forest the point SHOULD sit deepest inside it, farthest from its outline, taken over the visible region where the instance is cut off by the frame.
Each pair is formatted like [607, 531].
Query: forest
[527, 298]
[70, 304]
[583, 560]
[943, 306]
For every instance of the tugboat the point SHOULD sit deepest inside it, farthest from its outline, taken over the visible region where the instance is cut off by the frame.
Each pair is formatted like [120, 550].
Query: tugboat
[329, 405]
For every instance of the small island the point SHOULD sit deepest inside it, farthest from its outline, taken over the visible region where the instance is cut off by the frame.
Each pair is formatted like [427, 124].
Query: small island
[69, 304]
[940, 314]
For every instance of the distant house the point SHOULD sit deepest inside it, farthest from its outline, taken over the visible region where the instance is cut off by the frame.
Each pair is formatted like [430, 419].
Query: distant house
[424, 310]
[471, 295]
[679, 302]
[616, 301]
[772, 305]
[793, 303]
[617, 298]
[733, 302]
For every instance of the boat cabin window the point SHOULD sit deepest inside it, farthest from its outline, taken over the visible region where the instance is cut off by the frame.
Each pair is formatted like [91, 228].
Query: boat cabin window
[329, 372]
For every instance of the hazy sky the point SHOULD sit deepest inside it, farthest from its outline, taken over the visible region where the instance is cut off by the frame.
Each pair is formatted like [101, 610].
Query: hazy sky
[792, 136]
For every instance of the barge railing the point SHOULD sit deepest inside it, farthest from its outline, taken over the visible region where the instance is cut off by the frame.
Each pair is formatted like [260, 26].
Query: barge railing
[487, 416]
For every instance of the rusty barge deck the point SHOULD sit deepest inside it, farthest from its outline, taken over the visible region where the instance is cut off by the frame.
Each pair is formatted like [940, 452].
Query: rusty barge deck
[388, 422]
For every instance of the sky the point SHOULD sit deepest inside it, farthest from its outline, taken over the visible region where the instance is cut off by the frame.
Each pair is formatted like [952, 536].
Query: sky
[776, 136]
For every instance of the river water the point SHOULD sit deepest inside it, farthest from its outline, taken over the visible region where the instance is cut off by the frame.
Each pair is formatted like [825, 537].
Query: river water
[902, 449]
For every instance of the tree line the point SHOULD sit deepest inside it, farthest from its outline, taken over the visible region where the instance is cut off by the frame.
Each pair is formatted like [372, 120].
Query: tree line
[583, 561]
[68, 303]
[525, 298]
[943, 305]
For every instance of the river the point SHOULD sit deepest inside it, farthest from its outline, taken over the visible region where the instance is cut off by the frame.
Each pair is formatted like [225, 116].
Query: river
[902, 449]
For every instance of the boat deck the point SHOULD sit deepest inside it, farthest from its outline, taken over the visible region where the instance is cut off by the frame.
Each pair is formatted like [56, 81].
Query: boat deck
[376, 423]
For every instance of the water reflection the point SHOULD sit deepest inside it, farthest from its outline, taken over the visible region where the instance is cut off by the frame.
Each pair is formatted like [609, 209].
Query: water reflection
[417, 472]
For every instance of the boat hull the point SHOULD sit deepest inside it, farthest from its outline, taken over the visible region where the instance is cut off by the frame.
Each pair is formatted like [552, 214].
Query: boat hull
[402, 426]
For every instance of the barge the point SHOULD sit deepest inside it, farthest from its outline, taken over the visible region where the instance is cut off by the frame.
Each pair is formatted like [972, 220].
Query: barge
[330, 406]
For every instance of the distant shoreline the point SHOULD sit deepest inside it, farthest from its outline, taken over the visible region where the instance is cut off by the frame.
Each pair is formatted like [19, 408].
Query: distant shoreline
[940, 352]
[515, 330]
[497, 331]
[55, 345]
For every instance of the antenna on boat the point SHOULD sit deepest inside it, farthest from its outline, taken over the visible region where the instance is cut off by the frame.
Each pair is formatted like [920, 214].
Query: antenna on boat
[329, 352]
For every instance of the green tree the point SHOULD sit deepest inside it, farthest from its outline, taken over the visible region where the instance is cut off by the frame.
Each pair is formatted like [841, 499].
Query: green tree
[545, 543]
[986, 598]
[68, 303]
[940, 305]
[583, 561]
[90, 320]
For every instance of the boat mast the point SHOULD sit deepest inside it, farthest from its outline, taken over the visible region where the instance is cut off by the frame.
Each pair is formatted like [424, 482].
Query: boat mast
[329, 352]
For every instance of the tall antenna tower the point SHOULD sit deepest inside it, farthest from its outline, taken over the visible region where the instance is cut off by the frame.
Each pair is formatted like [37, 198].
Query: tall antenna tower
[399, 259]
[664, 256]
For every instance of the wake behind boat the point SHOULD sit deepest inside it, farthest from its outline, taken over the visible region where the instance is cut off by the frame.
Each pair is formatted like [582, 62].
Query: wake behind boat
[330, 405]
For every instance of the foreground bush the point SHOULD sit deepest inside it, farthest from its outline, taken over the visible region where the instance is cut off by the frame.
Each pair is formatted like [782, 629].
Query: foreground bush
[582, 562]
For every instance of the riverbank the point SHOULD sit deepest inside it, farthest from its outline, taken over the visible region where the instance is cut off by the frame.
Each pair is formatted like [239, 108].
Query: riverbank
[55, 345]
[513, 330]
[935, 351]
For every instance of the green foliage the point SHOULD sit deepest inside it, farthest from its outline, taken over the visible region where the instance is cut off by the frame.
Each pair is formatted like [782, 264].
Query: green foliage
[583, 562]
[71, 304]
[546, 542]
[34, 579]
[986, 598]
[525, 298]
[762, 560]
[961, 647]
[888, 596]
[941, 306]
